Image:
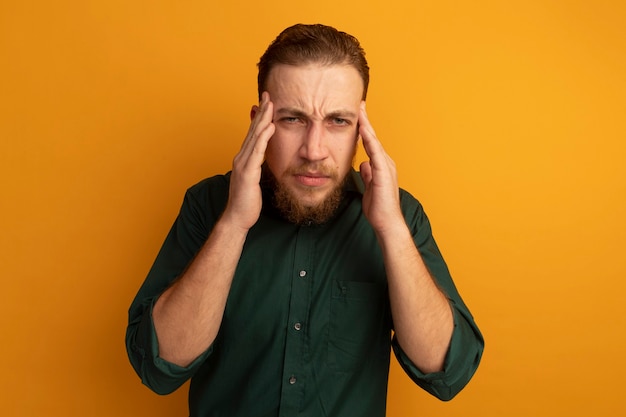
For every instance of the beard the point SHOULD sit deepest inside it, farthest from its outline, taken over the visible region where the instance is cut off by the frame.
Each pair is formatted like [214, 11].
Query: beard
[292, 207]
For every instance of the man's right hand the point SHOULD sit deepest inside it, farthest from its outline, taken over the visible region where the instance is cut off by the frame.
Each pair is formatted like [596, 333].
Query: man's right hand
[188, 314]
[245, 200]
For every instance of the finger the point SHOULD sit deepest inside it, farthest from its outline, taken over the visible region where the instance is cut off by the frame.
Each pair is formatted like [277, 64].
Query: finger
[259, 115]
[379, 160]
[261, 129]
[365, 125]
[372, 145]
[260, 144]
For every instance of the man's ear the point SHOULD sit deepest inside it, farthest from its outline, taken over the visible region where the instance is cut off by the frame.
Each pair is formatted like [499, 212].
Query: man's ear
[253, 111]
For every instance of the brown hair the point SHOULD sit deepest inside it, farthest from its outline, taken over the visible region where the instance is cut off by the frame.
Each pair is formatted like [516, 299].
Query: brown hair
[302, 44]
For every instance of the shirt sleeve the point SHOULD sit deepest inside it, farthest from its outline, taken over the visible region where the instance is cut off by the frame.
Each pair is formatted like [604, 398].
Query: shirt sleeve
[189, 232]
[467, 343]
[159, 375]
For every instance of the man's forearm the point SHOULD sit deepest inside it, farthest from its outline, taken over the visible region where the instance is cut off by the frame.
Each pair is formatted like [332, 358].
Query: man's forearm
[187, 316]
[422, 315]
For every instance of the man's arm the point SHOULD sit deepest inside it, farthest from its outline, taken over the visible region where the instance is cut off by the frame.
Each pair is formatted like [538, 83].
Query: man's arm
[188, 314]
[422, 316]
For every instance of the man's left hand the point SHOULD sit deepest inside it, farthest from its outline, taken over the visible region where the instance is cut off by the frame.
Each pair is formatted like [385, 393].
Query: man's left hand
[381, 200]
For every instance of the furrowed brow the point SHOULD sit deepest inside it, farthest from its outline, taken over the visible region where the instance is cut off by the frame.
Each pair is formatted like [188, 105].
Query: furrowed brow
[295, 112]
[291, 111]
[342, 114]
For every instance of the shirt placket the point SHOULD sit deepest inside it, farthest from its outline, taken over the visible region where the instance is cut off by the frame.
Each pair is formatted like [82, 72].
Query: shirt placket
[294, 377]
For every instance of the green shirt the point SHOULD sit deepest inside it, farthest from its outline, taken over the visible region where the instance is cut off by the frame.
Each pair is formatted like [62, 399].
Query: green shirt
[307, 329]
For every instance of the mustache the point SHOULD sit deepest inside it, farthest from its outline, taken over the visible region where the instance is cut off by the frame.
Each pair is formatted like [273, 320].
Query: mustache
[312, 167]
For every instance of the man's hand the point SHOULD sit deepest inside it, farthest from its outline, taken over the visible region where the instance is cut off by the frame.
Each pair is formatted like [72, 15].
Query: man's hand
[421, 313]
[381, 200]
[245, 200]
[188, 314]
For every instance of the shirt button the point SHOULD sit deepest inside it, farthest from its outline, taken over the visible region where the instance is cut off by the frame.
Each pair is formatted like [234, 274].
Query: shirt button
[303, 273]
[292, 380]
[297, 326]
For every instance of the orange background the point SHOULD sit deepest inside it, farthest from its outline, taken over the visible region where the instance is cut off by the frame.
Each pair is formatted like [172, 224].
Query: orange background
[505, 118]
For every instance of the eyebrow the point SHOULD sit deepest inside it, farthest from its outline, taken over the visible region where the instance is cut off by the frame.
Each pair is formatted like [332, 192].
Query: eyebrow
[292, 111]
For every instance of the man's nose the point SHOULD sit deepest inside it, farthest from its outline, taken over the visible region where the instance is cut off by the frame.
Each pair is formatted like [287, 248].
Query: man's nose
[315, 143]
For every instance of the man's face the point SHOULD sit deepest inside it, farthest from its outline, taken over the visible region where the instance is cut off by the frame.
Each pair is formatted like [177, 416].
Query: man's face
[316, 112]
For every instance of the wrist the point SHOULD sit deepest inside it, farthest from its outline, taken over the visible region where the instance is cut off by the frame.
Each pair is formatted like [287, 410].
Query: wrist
[392, 232]
[229, 225]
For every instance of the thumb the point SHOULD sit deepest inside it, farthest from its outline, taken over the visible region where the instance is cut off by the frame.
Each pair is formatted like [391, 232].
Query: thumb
[366, 173]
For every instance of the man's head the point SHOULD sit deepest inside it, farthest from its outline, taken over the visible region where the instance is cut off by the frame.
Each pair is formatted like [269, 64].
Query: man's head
[316, 78]
[307, 44]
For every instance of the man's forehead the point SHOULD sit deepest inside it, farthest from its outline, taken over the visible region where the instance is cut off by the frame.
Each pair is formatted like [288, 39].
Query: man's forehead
[334, 88]
[293, 76]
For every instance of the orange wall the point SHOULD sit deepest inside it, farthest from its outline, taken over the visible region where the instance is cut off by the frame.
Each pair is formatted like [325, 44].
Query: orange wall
[505, 118]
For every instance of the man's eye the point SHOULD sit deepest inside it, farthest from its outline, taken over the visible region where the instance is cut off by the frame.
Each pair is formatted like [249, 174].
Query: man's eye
[291, 119]
[340, 121]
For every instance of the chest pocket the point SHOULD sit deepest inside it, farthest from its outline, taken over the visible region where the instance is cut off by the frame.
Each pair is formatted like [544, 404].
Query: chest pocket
[357, 328]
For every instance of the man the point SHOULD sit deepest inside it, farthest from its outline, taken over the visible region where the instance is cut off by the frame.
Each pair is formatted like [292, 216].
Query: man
[280, 283]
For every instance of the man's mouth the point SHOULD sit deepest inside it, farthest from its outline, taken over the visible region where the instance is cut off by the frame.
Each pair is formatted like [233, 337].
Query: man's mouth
[312, 179]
